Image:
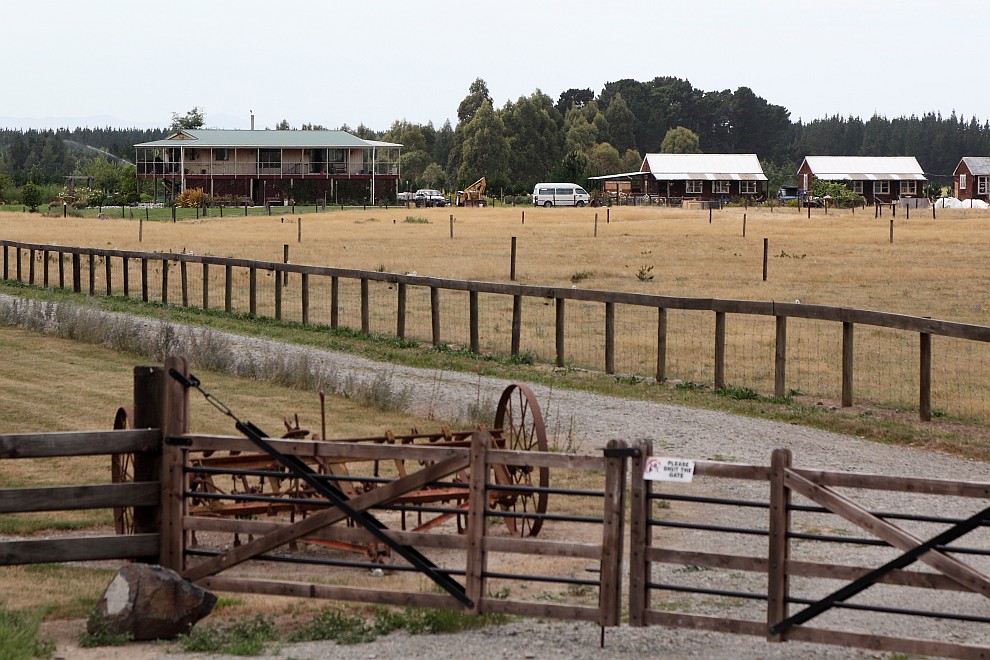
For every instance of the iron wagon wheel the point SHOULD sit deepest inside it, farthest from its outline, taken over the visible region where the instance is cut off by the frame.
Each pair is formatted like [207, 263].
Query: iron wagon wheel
[122, 471]
[521, 422]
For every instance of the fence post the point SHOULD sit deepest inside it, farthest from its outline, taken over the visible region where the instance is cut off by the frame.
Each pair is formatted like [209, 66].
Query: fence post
[766, 250]
[365, 314]
[435, 314]
[6, 267]
[125, 276]
[252, 289]
[44, 256]
[175, 422]
[278, 296]
[512, 261]
[109, 273]
[613, 523]
[847, 364]
[61, 270]
[610, 337]
[560, 335]
[206, 286]
[164, 281]
[19, 264]
[516, 323]
[925, 378]
[661, 344]
[334, 301]
[473, 321]
[31, 267]
[719, 350]
[285, 260]
[304, 293]
[477, 521]
[149, 393]
[228, 288]
[183, 276]
[92, 274]
[640, 538]
[780, 359]
[778, 586]
[144, 280]
[400, 313]
[76, 273]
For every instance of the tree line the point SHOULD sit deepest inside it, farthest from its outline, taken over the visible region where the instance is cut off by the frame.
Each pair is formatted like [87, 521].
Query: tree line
[536, 138]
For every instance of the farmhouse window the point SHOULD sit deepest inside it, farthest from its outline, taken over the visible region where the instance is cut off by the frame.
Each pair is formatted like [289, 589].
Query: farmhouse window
[221, 154]
[748, 187]
[192, 154]
[694, 187]
[982, 185]
[962, 182]
[720, 187]
[909, 187]
[269, 158]
[881, 187]
[857, 187]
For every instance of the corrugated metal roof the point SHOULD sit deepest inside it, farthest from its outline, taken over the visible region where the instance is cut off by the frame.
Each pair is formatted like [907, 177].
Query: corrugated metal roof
[231, 139]
[706, 167]
[865, 168]
[979, 165]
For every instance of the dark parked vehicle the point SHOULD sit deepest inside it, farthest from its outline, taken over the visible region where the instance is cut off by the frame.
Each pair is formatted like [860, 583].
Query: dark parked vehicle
[429, 197]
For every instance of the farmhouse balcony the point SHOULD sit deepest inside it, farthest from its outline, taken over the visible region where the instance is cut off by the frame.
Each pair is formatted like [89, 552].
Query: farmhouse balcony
[289, 169]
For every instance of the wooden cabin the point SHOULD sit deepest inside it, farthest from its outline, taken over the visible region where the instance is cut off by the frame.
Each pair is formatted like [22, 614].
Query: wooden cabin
[879, 179]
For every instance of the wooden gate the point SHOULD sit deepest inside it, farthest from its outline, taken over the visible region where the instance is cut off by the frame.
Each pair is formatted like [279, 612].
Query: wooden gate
[833, 555]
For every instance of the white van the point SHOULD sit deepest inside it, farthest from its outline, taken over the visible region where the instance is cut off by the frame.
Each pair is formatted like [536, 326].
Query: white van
[560, 194]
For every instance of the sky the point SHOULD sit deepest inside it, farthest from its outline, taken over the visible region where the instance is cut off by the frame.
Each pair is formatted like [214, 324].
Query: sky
[133, 64]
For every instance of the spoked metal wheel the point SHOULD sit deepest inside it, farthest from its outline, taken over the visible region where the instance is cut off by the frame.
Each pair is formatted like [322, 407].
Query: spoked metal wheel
[122, 471]
[520, 422]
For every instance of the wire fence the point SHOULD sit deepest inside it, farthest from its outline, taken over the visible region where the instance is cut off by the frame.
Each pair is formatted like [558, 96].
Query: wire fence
[838, 355]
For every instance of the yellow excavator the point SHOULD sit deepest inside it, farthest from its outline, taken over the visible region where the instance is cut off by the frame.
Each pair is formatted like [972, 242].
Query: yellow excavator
[473, 195]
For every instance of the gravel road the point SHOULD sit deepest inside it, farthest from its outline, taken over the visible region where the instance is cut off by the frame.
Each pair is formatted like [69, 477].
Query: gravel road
[593, 420]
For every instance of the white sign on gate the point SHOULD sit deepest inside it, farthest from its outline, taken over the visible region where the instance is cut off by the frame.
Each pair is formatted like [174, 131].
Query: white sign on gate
[669, 469]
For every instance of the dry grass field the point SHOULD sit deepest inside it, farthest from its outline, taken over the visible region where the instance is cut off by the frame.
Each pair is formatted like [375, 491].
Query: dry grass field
[933, 268]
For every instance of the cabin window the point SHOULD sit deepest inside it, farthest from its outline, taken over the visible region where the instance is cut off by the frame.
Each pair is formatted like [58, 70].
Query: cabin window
[982, 185]
[720, 187]
[962, 182]
[881, 187]
[221, 154]
[748, 187]
[857, 187]
[909, 187]
[693, 187]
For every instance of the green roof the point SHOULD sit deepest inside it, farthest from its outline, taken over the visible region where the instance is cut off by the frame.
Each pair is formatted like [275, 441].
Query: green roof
[209, 138]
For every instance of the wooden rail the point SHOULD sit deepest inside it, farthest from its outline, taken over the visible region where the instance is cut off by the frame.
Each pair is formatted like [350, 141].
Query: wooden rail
[925, 328]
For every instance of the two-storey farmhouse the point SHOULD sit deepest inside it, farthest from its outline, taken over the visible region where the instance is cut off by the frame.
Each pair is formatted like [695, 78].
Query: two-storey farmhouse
[271, 167]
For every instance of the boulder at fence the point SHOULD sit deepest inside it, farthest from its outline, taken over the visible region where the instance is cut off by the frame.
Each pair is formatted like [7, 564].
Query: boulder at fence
[149, 602]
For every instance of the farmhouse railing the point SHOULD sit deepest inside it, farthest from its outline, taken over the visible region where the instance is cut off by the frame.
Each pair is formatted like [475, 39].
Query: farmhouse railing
[515, 318]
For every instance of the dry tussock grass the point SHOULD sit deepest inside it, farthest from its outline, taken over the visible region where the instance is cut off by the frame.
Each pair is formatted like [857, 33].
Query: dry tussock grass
[933, 268]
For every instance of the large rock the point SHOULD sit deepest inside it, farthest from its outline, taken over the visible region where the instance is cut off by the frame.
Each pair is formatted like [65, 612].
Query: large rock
[149, 602]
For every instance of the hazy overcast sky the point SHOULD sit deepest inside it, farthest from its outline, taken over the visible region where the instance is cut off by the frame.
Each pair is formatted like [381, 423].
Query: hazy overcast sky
[131, 63]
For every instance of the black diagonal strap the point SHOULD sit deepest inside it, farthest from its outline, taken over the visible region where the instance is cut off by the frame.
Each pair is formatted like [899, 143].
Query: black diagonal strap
[871, 578]
[299, 468]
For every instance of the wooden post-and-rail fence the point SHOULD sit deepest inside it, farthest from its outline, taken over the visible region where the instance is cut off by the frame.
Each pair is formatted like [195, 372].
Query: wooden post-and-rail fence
[723, 311]
[704, 585]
